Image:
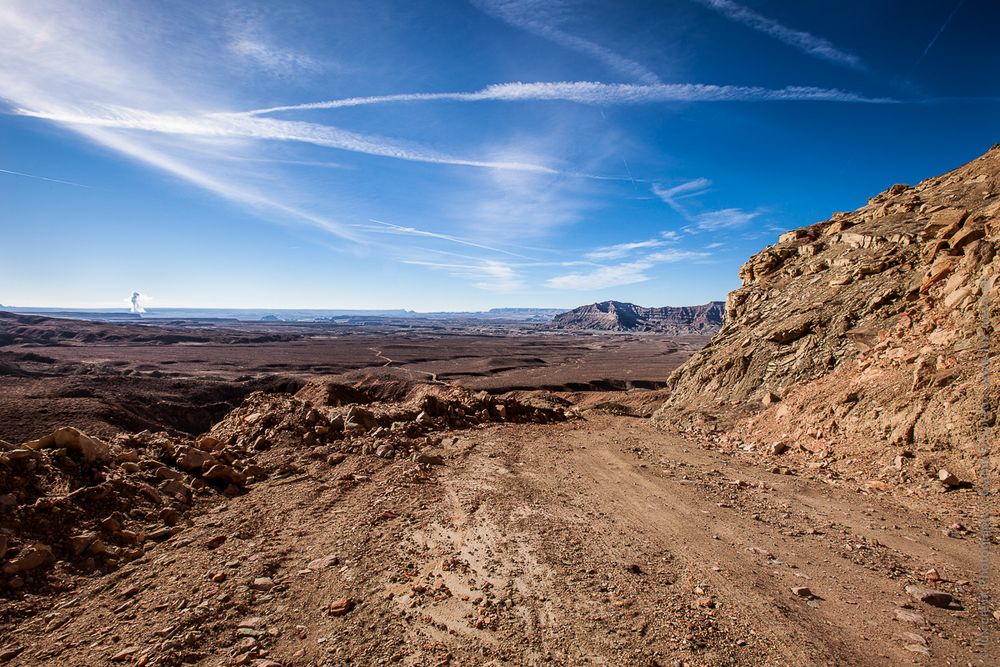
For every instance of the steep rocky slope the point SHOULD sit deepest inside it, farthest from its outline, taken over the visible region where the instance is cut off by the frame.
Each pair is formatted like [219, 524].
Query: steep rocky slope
[865, 333]
[618, 316]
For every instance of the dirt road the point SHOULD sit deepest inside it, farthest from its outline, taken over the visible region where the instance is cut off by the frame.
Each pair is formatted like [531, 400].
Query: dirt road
[596, 541]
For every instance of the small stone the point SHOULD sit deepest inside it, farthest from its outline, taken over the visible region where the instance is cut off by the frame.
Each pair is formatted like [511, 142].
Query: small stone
[226, 475]
[910, 616]
[778, 448]
[193, 460]
[947, 478]
[29, 559]
[218, 577]
[215, 542]
[9, 653]
[931, 576]
[323, 563]
[262, 584]
[125, 655]
[340, 606]
[802, 592]
[930, 596]
[80, 543]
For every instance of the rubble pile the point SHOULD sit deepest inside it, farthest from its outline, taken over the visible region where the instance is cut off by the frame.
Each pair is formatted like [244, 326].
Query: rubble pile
[388, 429]
[73, 504]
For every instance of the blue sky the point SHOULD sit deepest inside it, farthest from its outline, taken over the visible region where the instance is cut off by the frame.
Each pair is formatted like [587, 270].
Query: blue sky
[453, 155]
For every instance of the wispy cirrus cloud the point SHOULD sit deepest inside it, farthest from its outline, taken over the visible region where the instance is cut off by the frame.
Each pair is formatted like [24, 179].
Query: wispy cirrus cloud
[711, 220]
[540, 18]
[237, 126]
[626, 273]
[139, 89]
[485, 274]
[275, 60]
[389, 228]
[799, 39]
[724, 218]
[620, 250]
[598, 94]
[672, 196]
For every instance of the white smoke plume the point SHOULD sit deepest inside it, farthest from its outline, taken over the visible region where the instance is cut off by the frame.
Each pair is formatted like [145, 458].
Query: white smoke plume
[136, 306]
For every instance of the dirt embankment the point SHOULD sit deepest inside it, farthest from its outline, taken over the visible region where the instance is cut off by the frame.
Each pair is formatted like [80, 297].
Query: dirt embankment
[866, 342]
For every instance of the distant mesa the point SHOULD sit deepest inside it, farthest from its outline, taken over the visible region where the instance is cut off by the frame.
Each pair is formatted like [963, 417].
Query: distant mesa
[618, 316]
[270, 318]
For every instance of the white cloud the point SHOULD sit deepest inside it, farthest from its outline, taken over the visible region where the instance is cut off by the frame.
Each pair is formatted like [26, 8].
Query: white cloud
[724, 218]
[672, 196]
[486, 274]
[671, 256]
[605, 276]
[711, 220]
[626, 273]
[596, 93]
[537, 17]
[222, 126]
[799, 39]
[620, 250]
[389, 228]
[275, 60]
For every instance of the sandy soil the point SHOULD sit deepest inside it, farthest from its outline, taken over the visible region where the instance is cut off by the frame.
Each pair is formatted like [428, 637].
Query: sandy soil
[597, 541]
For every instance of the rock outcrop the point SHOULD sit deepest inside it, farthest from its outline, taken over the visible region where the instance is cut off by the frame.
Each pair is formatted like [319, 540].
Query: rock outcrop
[866, 331]
[617, 316]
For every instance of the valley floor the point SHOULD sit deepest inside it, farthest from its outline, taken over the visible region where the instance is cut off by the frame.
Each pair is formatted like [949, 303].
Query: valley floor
[601, 540]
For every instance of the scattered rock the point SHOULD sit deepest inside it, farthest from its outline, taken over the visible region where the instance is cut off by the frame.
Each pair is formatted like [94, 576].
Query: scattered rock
[931, 596]
[30, 558]
[323, 563]
[340, 606]
[90, 449]
[226, 475]
[262, 584]
[125, 655]
[947, 478]
[910, 616]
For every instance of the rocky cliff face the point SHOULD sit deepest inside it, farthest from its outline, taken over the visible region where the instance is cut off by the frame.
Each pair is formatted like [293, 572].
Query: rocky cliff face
[618, 316]
[866, 331]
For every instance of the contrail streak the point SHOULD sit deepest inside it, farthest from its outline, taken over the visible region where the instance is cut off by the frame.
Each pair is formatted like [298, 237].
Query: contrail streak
[43, 178]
